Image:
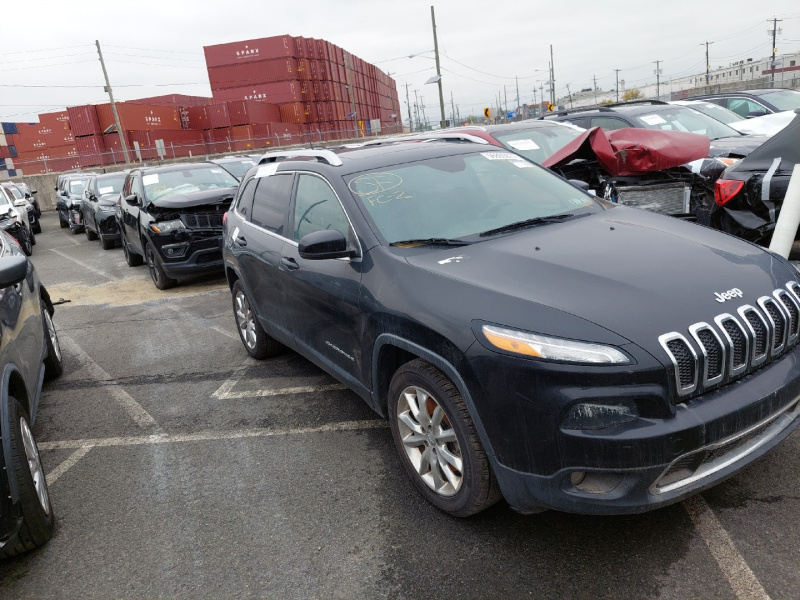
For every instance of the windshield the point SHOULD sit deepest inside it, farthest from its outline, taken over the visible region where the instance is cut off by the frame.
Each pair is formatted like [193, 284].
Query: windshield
[238, 168]
[537, 144]
[715, 111]
[681, 118]
[110, 185]
[4, 198]
[783, 99]
[463, 195]
[186, 181]
[76, 186]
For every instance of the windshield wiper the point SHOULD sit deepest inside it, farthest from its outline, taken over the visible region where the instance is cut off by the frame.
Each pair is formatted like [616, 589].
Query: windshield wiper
[431, 241]
[528, 223]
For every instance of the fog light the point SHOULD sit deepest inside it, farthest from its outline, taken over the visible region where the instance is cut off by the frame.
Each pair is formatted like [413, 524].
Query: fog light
[175, 250]
[596, 415]
[577, 477]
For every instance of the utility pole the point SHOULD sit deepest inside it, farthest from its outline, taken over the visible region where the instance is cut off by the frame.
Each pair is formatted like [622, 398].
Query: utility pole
[617, 71]
[541, 91]
[534, 101]
[708, 64]
[516, 79]
[443, 122]
[416, 109]
[552, 77]
[422, 107]
[658, 80]
[594, 78]
[121, 133]
[452, 109]
[408, 103]
[772, 64]
[570, 96]
[505, 103]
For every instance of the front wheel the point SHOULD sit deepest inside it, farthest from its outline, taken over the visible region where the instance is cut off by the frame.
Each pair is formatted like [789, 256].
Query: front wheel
[256, 341]
[107, 244]
[437, 441]
[90, 235]
[25, 241]
[53, 362]
[35, 507]
[160, 278]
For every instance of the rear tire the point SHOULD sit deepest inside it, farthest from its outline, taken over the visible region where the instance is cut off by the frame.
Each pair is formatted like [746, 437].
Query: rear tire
[64, 224]
[258, 344]
[34, 506]
[133, 259]
[25, 241]
[37, 228]
[107, 244]
[53, 362]
[437, 441]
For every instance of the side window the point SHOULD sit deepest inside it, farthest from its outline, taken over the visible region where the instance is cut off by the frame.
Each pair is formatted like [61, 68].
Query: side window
[245, 203]
[608, 123]
[271, 202]
[317, 208]
[742, 106]
[126, 188]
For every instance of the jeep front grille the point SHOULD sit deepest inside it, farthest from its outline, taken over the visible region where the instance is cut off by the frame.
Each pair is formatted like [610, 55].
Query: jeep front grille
[202, 220]
[734, 344]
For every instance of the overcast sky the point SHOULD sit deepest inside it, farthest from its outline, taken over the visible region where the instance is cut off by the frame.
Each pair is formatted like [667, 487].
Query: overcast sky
[157, 47]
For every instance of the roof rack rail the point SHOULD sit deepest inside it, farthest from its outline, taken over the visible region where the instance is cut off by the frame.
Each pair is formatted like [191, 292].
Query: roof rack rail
[637, 102]
[321, 155]
[454, 136]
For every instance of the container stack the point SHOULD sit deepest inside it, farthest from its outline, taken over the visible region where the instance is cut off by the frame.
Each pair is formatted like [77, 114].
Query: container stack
[315, 84]
[8, 151]
[35, 148]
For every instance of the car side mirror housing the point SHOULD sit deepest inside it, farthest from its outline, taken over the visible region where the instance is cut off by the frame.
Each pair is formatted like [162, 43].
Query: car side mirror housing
[133, 200]
[756, 113]
[323, 245]
[33, 191]
[580, 184]
[13, 269]
[21, 202]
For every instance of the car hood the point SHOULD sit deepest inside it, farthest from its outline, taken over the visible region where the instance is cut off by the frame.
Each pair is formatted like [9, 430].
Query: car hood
[108, 199]
[177, 201]
[736, 146]
[632, 272]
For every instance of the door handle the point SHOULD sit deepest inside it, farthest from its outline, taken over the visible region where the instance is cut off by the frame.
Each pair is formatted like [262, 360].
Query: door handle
[241, 241]
[289, 263]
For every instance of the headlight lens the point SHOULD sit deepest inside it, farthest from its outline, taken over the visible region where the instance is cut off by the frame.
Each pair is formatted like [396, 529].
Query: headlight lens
[167, 226]
[552, 348]
[104, 208]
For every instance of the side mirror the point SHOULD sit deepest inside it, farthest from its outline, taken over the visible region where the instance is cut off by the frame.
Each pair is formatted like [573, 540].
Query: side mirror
[580, 184]
[13, 269]
[33, 191]
[322, 245]
[21, 202]
[756, 113]
[133, 200]
[64, 193]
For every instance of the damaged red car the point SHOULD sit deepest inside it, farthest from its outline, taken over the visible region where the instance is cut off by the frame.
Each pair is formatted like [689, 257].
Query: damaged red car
[172, 217]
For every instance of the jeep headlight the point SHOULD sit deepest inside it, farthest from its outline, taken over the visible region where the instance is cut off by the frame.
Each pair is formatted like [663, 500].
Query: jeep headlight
[106, 208]
[552, 348]
[167, 226]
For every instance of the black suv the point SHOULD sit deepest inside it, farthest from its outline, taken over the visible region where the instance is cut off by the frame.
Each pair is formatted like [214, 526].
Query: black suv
[99, 206]
[69, 192]
[524, 338]
[755, 103]
[172, 217]
[29, 354]
[652, 114]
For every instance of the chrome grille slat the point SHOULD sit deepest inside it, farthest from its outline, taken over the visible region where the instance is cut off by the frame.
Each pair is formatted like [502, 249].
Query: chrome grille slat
[734, 344]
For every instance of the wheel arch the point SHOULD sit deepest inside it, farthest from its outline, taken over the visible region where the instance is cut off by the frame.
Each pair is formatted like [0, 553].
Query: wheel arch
[391, 351]
[12, 384]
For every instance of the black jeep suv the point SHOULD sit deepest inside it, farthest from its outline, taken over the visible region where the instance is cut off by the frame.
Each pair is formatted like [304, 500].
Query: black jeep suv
[172, 217]
[524, 338]
[99, 206]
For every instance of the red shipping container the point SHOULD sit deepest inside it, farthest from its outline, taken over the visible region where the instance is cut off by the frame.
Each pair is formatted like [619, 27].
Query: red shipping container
[249, 50]
[254, 72]
[137, 117]
[218, 115]
[300, 47]
[293, 112]
[56, 120]
[59, 138]
[304, 69]
[30, 143]
[276, 93]
[64, 164]
[83, 120]
[197, 117]
[245, 112]
[176, 143]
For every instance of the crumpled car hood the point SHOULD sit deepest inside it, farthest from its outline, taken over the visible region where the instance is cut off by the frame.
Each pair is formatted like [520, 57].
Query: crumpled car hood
[178, 201]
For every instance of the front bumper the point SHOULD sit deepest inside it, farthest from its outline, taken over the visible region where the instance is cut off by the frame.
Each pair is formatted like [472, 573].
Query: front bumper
[202, 254]
[653, 461]
[107, 226]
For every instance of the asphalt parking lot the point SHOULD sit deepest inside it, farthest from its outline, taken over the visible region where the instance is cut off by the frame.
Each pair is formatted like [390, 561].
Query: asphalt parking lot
[180, 468]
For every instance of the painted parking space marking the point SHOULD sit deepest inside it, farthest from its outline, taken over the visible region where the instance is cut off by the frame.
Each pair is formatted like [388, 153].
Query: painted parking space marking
[140, 416]
[86, 265]
[217, 328]
[743, 581]
[211, 436]
[65, 466]
[303, 389]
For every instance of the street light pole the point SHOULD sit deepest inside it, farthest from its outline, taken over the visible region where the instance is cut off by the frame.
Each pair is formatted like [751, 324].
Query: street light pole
[443, 123]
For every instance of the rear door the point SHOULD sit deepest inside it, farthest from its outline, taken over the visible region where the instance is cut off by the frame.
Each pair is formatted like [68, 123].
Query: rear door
[130, 212]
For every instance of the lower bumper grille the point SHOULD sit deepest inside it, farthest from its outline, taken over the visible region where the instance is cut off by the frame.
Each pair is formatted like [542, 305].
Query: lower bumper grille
[667, 199]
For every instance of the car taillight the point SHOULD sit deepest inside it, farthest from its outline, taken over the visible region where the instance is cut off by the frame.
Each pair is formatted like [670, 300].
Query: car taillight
[725, 189]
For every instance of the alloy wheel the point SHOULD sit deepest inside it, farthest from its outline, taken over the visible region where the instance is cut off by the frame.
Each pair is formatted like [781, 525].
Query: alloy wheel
[35, 465]
[245, 319]
[429, 441]
[51, 331]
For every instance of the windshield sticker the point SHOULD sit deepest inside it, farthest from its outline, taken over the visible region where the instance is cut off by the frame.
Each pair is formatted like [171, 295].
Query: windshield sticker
[652, 119]
[578, 201]
[150, 179]
[500, 156]
[216, 170]
[523, 144]
[378, 188]
[521, 164]
[106, 190]
[267, 170]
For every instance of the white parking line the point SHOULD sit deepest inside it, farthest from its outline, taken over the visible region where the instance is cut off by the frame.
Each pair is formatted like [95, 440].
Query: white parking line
[743, 581]
[97, 373]
[305, 389]
[65, 466]
[207, 436]
[86, 266]
[216, 328]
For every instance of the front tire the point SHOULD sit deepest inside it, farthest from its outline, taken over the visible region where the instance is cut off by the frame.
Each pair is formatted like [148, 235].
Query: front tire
[25, 241]
[53, 362]
[90, 235]
[258, 344]
[34, 498]
[62, 221]
[107, 244]
[37, 228]
[160, 278]
[438, 442]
